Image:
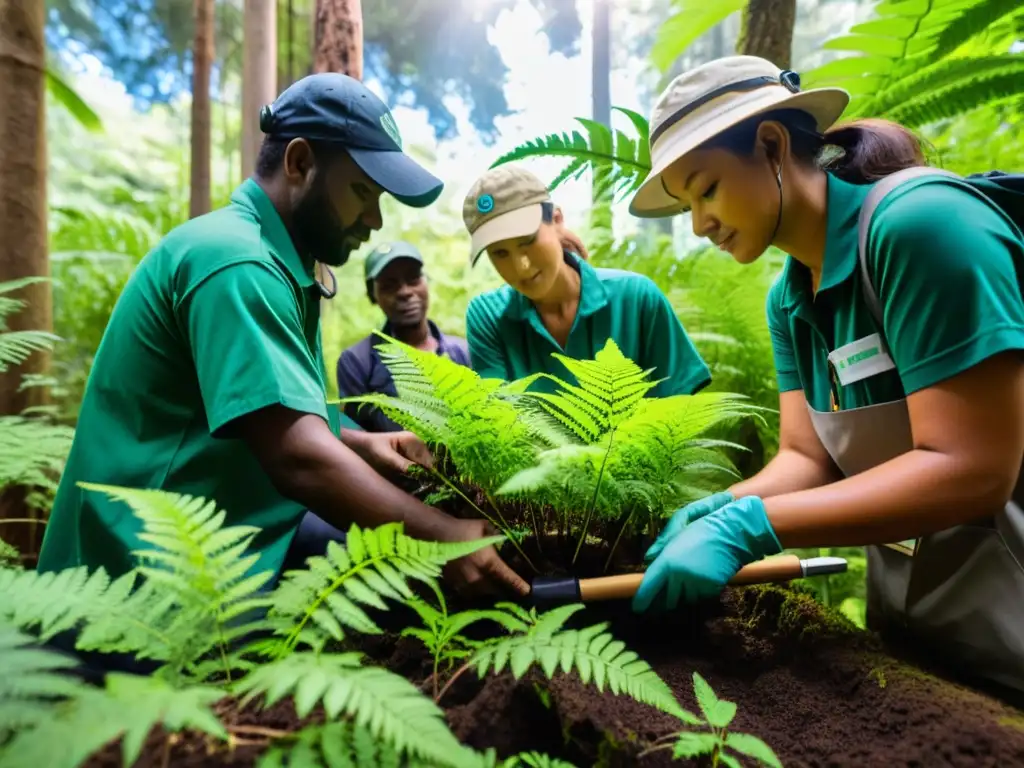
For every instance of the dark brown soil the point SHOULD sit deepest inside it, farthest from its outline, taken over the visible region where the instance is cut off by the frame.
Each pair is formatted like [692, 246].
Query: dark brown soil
[817, 691]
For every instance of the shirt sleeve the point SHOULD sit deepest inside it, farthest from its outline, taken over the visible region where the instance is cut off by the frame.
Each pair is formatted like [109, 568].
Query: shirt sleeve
[486, 352]
[668, 348]
[946, 265]
[245, 331]
[786, 373]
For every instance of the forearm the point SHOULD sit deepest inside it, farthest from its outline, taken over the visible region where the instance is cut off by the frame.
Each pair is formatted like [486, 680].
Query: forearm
[917, 493]
[333, 481]
[788, 472]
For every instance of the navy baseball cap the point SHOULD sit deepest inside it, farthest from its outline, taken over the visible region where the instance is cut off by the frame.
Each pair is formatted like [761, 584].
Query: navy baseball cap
[332, 107]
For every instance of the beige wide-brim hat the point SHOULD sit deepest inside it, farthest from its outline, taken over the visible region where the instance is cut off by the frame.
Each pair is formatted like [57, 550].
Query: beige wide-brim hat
[702, 103]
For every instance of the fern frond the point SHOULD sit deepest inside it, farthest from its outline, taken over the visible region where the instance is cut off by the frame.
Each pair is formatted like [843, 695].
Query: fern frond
[32, 452]
[902, 40]
[609, 387]
[333, 744]
[16, 346]
[957, 86]
[314, 605]
[198, 565]
[627, 158]
[30, 681]
[594, 654]
[690, 19]
[129, 708]
[387, 705]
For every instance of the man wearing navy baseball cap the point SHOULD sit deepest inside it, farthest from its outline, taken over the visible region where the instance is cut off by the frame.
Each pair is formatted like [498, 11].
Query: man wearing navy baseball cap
[210, 379]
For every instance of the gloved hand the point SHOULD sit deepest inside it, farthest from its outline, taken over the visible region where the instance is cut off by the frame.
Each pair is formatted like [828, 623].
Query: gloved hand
[701, 559]
[683, 517]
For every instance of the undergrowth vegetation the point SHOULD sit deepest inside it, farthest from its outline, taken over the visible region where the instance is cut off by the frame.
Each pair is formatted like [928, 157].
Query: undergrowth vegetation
[218, 631]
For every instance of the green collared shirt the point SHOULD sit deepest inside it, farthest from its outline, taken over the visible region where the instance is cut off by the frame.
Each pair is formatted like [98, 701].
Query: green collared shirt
[508, 340]
[945, 265]
[221, 319]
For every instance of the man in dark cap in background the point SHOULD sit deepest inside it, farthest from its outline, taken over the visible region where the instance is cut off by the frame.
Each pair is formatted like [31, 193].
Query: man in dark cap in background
[210, 378]
[394, 282]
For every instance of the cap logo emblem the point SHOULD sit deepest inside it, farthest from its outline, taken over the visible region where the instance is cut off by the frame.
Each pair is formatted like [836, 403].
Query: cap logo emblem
[390, 127]
[485, 204]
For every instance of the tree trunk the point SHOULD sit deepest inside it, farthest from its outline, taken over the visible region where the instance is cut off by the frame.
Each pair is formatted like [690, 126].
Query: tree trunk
[339, 37]
[767, 30]
[202, 64]
[259, 74]
[23, 235]
[601, 105]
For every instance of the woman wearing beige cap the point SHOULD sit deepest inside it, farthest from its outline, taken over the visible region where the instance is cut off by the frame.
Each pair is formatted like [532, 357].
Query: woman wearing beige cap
[897, 325]
[555, 302]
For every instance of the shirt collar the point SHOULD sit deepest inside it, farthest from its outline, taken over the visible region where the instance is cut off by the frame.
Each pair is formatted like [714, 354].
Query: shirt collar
[593, 295]
[250, 195]
[843, 211]
[431, 326]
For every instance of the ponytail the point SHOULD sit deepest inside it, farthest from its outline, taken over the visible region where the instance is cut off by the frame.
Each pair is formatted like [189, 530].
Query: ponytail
[870, 149]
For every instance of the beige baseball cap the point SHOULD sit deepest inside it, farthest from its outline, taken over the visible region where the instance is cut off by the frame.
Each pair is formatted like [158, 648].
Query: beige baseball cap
[505, 202]
[707, 100]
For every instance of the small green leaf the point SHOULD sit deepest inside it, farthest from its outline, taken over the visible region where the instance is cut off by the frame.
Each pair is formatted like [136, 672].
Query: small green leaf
[690, 744]
[752, 746]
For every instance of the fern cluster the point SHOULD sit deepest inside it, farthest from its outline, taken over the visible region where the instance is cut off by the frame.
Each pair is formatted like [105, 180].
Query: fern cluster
[32, 449]
[595, 456]
[197, 606]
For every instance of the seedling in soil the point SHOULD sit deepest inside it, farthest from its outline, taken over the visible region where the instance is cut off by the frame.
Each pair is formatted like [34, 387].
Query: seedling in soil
[441, 633]
[593, 460]
[718, 714]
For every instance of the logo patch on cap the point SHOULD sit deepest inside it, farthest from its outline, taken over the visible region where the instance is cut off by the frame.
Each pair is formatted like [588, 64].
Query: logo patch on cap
[390, 127]
[485, 203]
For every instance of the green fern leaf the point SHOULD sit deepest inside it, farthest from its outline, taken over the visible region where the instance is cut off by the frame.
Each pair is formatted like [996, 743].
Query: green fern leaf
[609, 387]
[387, 705]
[317, 604]
[985, 84]
[32, 451]
[30, 680]
[128, 708]
[593, 653]
[597, 147]
[691, 19]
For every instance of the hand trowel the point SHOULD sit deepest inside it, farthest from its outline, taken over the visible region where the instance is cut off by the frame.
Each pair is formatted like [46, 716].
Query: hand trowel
[548, 591]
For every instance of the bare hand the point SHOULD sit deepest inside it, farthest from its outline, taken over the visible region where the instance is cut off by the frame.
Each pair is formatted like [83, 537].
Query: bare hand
[483, 572]
[390, 452]
[571, 242]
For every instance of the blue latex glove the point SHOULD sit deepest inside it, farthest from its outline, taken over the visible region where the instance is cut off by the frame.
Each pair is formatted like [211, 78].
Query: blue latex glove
[683, 517]
[700, 560]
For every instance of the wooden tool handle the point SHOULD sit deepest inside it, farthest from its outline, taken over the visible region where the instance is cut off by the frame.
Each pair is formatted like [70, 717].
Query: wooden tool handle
[781, 568]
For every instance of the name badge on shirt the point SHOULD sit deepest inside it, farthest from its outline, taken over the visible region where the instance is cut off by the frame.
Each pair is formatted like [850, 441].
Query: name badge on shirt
[861, 359]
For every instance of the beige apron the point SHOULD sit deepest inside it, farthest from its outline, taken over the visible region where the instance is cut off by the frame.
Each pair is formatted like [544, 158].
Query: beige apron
[962, 592]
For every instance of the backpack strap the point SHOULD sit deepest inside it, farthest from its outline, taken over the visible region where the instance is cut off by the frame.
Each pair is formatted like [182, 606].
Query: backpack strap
[878, 192]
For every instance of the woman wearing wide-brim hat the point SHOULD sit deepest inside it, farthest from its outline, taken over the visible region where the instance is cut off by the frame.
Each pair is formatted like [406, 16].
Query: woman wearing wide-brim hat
[901, 378]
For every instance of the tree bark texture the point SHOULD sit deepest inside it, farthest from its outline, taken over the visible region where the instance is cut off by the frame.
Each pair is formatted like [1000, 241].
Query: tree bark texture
[766, 30]
[202, 64]
[23, 204]
[259, 74]
[339, 37]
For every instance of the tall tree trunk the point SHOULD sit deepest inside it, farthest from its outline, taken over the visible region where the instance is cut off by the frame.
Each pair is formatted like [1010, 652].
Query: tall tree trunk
[339, 37]
[259, 74]
[766, 30]
[23, 236]
[601, 104]
[202, 64]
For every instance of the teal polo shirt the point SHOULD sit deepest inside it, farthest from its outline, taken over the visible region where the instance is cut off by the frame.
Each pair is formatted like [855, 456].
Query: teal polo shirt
[221, 319]
[508, 340]
[947, 267]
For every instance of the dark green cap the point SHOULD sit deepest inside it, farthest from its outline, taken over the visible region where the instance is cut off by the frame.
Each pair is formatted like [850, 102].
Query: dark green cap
[382, 255]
